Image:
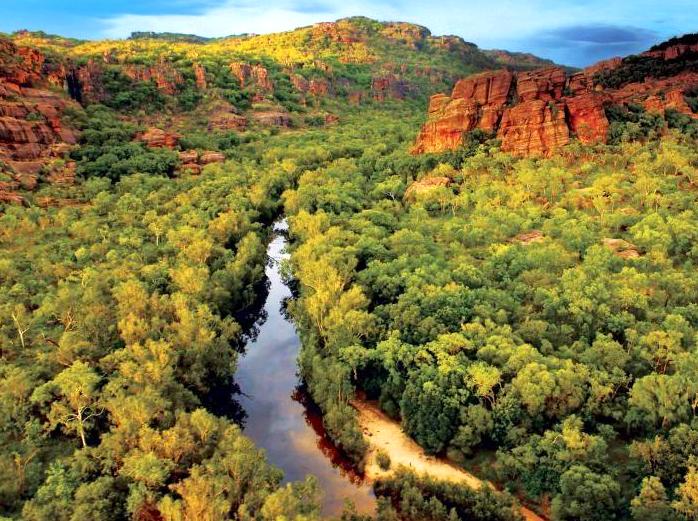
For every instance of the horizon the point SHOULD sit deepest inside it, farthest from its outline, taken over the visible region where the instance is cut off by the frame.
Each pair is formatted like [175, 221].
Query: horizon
[578, 33]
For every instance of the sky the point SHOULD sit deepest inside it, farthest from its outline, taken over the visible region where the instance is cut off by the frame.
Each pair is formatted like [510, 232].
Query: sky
[571, 32]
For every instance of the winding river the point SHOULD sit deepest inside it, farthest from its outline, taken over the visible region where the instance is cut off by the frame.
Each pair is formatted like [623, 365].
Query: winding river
[280, 417]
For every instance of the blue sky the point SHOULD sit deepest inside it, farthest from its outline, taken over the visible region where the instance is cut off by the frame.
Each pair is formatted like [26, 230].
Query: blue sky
[574, 32]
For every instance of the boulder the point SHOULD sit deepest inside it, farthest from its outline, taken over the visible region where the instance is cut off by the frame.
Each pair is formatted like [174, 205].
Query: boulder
[530, 237]
[188, 156]
[158, 138]
[622, 248]
[191, 168]
[207, 157]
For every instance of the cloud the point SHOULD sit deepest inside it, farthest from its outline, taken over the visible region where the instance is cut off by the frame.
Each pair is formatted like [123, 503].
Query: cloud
[601, 34]
[581, 44]
[243, 16]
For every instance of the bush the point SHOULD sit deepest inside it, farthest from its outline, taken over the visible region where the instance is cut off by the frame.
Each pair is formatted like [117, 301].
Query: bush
[383, 460]
[107, 150]
[425, 498]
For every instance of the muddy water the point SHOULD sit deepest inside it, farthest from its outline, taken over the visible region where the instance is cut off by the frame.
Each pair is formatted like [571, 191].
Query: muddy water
[280, 417]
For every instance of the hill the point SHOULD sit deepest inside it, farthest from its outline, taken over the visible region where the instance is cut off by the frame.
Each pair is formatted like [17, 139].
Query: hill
[301, 78]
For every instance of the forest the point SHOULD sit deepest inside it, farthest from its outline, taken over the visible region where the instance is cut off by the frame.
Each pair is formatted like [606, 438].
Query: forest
[530, 319]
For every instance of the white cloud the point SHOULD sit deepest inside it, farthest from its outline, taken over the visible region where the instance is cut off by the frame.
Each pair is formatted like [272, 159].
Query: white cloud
[235, 16]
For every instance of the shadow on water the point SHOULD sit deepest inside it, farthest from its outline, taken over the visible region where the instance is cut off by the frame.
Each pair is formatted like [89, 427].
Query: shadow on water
[313, 418]
[222, 398]
[273, 406]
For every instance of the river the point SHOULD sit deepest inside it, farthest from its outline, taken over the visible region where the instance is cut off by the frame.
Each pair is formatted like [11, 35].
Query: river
[280, 417]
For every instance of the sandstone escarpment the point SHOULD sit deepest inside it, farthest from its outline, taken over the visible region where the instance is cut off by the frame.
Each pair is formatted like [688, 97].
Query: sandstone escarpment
[537, 112]
[32, 132]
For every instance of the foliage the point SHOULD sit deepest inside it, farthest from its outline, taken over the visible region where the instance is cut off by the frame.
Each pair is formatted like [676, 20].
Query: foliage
[424, 498]
[107, 150]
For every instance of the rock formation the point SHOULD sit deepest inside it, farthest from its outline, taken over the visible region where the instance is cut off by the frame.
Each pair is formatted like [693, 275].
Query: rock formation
[194, 161]
[158, 138]
[167, 79]
[32, 132]
[389, 86]
[537, 112]
[255, 76]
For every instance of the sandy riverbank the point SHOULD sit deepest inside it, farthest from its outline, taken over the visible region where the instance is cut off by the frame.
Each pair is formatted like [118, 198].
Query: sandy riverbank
[383, 433]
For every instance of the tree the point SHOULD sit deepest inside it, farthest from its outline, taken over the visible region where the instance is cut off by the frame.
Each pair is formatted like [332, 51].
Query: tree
[586, 496]
[72, 398]
[687, 502]
[651, 504]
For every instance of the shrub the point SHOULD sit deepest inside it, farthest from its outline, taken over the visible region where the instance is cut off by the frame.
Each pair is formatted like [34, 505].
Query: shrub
[383, 460]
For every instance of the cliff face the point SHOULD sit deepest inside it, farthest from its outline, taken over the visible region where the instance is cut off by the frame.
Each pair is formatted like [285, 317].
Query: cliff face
[32, 131]
[537, 112]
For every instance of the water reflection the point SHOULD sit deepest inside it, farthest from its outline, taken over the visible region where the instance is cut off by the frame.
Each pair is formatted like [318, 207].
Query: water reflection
[280, 417]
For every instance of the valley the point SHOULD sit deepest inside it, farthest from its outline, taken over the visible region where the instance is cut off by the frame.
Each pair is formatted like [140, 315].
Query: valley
[253, 277]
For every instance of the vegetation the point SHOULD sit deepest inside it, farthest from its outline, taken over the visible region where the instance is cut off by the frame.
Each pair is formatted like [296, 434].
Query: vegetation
[570, 360]
[424, 498]
[383, 460]
[539, 313]
[108, 150]
[637, 68]
[115, 322]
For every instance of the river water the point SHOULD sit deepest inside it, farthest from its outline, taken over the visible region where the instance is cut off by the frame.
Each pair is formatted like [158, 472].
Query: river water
[280, 417]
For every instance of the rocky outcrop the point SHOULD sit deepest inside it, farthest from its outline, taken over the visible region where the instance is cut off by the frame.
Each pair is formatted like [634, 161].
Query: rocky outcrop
[525, 110]
[158, 138]
[586, 117]
[166, 78]
[411, 35]
[389, 86]
[339, 32]
[476, 102]
[226, 121]
[200, 76]
[672, 52]
[272, 117]
[316, 87]
[192, 161]
[32, 132]
[544, 84]
[622, 248]
[537, 112]
[255, 76]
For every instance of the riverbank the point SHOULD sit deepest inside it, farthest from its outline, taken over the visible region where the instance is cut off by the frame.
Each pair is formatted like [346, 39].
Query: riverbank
[384, 434]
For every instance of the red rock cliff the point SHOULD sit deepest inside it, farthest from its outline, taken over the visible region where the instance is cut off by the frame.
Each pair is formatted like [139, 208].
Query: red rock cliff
[537, 112]
[32, 133]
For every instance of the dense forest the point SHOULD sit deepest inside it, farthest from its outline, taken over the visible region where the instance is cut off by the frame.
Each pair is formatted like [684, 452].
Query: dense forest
[531, 318]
